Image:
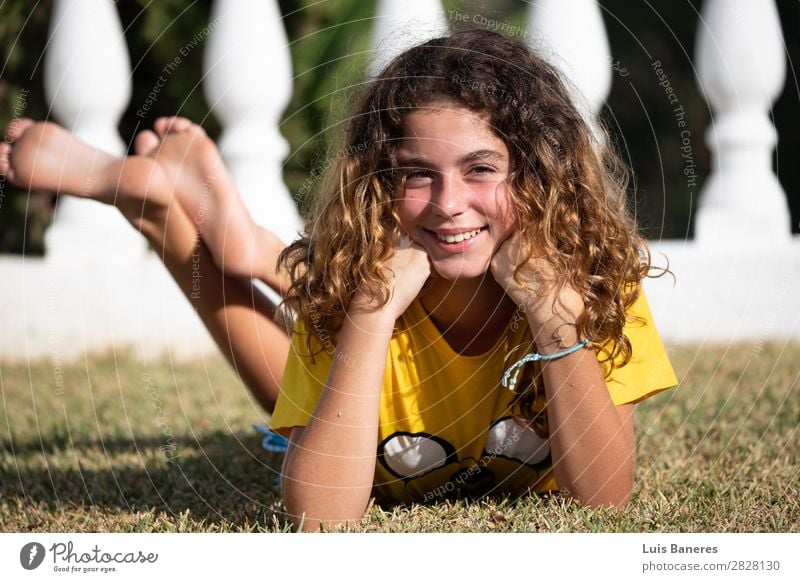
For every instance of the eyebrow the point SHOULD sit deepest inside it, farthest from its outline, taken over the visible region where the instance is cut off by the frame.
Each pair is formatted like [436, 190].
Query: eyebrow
[483, 155]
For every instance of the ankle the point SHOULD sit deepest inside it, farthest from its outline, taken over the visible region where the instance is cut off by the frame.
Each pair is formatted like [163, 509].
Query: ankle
[270, 247]
[137, 186]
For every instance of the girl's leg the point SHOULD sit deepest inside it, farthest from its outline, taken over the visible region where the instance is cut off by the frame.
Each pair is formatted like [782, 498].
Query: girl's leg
[189, 165]
[206, 191]
[239, 318]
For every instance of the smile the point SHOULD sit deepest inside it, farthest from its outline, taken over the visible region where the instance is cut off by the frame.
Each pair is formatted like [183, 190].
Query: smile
[458, 237]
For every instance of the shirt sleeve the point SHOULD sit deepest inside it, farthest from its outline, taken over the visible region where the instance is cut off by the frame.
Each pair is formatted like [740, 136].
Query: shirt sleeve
[649, 370]
[303, 379]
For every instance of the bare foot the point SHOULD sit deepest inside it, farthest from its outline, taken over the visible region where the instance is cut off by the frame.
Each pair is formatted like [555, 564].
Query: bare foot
[198, 176]
[45, 156]
[178, 158]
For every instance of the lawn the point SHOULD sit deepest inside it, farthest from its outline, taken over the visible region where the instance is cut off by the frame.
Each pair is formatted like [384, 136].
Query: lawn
[112, 444]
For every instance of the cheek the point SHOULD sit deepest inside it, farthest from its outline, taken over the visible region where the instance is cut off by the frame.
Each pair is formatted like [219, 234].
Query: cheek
[411, 207]
[509, 222]
[505, 215]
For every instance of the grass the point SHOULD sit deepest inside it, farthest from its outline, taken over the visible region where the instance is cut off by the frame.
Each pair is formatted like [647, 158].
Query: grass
[112, 444]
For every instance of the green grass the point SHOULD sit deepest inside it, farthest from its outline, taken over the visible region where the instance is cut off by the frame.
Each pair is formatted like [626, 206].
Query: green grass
[111, 444]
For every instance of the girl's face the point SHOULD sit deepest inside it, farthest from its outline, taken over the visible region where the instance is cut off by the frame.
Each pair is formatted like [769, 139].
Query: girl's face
[455, 203]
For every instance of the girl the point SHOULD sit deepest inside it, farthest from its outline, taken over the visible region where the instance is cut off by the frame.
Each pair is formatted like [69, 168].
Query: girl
[474, 233]
[467, 289]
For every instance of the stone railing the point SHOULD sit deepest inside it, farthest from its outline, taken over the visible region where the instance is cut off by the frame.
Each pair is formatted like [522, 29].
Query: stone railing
[99, 287]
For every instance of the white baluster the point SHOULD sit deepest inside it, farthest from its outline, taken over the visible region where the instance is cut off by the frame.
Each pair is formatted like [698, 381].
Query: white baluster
[87, 80]
[741, 68]
[401, 24]
[571, 36]
[248, 84]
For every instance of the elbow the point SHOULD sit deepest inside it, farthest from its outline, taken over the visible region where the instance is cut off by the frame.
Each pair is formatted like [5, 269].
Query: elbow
[617, 490]
[298, 513]
[306, 523]
[314, 510]
[611, 491]
[606, 498]
[314, 521]
[301, 522]
[317, 500]
[619, 499]
[615, 494]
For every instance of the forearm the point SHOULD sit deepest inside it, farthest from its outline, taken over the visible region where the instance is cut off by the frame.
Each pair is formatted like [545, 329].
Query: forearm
[591, 447]
[328, 473]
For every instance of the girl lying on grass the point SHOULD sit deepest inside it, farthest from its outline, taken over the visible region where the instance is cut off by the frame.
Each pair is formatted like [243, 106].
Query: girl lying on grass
[469, 315]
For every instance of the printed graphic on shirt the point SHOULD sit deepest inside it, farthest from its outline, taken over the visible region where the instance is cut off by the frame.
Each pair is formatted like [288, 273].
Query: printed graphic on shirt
[513, 460]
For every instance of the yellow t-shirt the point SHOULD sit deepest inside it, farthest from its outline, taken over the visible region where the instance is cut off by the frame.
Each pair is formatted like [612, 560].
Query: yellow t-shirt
[446, 430]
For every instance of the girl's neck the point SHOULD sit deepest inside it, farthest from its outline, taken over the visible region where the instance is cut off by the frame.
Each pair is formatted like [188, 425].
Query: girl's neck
[471, 314]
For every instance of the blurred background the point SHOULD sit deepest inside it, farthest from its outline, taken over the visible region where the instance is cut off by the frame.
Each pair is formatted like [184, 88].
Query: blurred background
[329, 43]
[104, 432]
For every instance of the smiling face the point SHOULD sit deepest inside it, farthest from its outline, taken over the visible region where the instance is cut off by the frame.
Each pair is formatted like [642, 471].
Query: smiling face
[455, 202]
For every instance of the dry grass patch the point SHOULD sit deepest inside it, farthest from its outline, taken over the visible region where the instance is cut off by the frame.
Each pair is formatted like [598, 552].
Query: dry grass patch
[111, 444]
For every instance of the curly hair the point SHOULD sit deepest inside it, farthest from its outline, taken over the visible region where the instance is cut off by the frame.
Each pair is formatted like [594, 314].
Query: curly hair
[567, 187]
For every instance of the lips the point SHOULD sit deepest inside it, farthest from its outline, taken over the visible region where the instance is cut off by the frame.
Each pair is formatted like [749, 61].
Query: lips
[457, 237]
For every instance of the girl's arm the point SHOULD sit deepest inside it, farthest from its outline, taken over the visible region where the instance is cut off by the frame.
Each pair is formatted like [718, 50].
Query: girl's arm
[330, 464]
[591, 439]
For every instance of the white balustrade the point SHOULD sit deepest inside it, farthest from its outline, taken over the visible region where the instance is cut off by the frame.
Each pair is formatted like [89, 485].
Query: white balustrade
[741, 69]
[248, 84]
[722, 292]
[87, 80]
[572, 37]
[401, 24]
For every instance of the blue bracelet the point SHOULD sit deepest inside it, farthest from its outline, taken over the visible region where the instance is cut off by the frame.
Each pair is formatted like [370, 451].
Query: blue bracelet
[510, 382]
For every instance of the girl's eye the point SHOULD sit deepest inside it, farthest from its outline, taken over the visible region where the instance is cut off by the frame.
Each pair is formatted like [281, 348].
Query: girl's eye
[482, 170]
[415, 178]
[418, 174]
[482, 174]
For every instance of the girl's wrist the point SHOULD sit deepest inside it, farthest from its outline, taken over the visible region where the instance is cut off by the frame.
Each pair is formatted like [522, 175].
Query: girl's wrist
[553, 321]
[362, 307]
[555, 335]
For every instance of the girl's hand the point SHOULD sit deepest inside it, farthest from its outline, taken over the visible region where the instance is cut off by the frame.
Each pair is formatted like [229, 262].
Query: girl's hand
[536, 291]
[535, 277]
[409, 269]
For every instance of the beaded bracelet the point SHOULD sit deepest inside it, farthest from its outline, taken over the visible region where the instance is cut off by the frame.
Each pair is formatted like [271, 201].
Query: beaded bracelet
[510, 382]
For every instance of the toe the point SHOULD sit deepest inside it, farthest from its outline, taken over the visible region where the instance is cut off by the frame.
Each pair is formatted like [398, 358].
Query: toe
[175, 124]
[146, 141]
[161, 125]
[183, 125]
[5, 159]
[167, 125]
[16, 128]
[180, 124]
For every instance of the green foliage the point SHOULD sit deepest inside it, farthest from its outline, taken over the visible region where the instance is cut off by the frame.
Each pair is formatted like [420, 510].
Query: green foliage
[23, 36]
[329, 41]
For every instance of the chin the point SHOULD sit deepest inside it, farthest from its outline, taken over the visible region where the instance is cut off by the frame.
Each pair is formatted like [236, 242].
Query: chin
[461, 270]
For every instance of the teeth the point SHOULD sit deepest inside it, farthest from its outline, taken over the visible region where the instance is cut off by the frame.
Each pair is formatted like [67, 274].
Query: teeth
[461, 236]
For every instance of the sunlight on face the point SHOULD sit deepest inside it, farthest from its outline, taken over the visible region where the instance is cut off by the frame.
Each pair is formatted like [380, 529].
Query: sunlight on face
[455, 201]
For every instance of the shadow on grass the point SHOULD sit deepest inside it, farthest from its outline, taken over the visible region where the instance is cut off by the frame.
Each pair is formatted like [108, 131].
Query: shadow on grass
[219, 478]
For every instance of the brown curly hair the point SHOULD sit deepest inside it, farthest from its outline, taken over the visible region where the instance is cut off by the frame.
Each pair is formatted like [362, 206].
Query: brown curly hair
[567, 187]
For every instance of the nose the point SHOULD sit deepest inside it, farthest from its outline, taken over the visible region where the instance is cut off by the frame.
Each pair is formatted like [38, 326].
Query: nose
[449, 196]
